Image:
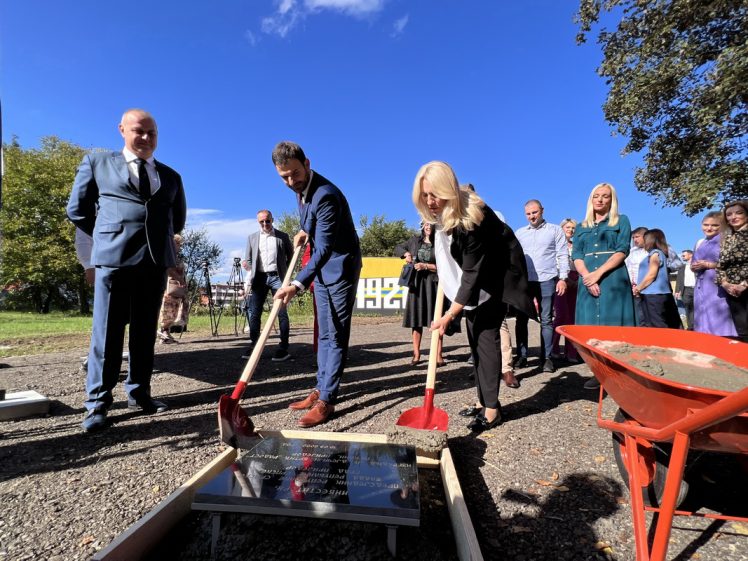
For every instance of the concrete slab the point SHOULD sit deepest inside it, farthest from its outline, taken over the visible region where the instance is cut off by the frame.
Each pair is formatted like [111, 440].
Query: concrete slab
[23, 404]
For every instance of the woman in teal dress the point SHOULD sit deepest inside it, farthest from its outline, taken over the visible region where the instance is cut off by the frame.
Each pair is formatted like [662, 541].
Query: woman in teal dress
[601, 244]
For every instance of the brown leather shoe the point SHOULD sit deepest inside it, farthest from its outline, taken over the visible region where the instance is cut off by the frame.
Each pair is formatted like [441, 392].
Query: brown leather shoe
[509, 379]
[319, 413]
[305, 403]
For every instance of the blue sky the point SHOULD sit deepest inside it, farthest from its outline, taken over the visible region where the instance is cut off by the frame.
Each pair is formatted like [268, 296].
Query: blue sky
[371, 89]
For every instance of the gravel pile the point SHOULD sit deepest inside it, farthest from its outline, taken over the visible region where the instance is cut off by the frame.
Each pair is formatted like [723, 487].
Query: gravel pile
[543, 485]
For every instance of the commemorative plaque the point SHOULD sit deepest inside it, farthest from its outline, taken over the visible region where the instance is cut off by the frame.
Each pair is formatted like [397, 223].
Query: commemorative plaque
[358, 481]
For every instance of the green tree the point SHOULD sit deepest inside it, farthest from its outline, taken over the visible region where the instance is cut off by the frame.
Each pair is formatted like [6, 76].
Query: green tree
[678, 77]
[379, 238]
[199, 252]
[38, 253]
[288, 223]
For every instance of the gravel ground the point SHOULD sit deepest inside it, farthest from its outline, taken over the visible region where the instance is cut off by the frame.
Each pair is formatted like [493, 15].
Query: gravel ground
[543, 485]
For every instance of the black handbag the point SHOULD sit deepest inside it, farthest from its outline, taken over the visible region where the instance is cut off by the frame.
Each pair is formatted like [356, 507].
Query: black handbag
[407, 276]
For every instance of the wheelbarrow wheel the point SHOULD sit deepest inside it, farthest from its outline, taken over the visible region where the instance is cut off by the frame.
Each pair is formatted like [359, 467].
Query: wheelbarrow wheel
[654, 458]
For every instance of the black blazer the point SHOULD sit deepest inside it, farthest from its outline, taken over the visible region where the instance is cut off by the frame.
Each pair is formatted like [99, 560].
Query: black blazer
[491, 259]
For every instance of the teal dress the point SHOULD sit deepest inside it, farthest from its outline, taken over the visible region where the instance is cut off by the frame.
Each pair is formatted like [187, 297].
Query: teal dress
[594, 245]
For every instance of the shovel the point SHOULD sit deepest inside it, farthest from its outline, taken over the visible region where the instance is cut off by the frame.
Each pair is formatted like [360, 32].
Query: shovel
[428, 417]
[233, 421]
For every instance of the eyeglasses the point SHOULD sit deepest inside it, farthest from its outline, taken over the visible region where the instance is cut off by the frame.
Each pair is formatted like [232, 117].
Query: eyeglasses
[265, 221]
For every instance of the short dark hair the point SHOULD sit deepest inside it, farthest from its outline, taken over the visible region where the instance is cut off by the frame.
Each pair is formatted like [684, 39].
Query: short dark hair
[285, 151]
[639, 230]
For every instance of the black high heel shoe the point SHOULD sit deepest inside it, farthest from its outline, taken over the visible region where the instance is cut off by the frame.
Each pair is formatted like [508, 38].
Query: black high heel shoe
[470, 411]
[480, 423]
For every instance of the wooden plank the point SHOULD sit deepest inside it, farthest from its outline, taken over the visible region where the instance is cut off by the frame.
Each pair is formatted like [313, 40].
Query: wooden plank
[147, 532]
[321, 435]
[421, 461]
[465, 538]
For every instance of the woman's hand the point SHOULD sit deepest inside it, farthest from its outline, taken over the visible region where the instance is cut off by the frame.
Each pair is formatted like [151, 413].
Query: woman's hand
[636, 292]
[734, 290]
[424, 267]
[702, 265]
[591, 278]
[593, 289]
[441, 324]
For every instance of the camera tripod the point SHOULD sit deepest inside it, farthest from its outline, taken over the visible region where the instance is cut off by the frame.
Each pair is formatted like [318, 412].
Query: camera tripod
[235, 304]
[204, 282]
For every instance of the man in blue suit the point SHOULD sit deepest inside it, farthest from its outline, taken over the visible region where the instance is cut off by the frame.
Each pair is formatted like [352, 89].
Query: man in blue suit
[132, 206]
[334, 266]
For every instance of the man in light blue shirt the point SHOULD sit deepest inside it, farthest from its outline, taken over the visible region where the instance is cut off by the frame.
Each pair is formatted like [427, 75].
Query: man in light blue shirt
[547, 257]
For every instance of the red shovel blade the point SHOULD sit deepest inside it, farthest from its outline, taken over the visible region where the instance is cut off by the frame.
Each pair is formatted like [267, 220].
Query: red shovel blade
[233, 422]
[426, 417]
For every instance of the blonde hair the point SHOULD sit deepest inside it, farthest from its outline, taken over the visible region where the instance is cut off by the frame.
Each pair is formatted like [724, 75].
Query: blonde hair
[462, 207]
[566, 221]
[589, 217]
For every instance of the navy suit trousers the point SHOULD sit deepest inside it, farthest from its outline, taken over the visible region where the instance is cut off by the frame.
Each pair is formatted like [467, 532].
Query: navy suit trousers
[123, 295]
[334, 312]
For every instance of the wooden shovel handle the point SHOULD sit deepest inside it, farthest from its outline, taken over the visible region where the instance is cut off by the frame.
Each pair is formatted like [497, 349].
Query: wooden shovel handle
[254, 358]
[431, 375]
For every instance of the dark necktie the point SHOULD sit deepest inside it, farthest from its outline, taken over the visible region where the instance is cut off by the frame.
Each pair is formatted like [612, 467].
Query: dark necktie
[143, 180]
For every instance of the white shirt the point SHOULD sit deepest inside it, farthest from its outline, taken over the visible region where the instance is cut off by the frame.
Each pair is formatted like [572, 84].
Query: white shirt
[689, 278]
[150, 167]
[268, 253]
[632, 262]
[449, 272]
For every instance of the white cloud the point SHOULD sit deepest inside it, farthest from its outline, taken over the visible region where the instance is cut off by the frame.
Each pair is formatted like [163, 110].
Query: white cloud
[230, 235]
[290, 13]
[351, 7]
[399, 26]
[195, 212]
[251, 38]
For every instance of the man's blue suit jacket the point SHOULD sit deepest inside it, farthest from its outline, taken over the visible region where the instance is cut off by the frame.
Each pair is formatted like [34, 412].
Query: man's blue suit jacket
[326, 218]
[125, 227]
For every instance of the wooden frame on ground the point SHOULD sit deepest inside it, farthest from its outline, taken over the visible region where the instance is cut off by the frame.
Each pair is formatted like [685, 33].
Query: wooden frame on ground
[146, 533]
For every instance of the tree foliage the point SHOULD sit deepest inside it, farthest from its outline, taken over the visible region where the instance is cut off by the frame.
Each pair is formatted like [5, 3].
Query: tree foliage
[38, 253]
[678, 77]
[379, 238]
[198, 250]
[288, 223]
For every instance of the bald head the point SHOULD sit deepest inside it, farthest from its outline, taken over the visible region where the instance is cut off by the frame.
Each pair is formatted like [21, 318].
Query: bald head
[138, 128]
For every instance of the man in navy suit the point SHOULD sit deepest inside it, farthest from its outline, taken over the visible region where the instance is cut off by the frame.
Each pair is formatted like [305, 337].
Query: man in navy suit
[334, 266]
[132, 206]
[268, 254]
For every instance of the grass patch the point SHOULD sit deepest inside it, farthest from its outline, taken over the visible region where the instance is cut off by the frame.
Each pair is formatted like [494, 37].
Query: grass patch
[23, 333]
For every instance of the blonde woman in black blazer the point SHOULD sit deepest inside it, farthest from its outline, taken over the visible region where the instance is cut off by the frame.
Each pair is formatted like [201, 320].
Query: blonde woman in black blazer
[481, 268]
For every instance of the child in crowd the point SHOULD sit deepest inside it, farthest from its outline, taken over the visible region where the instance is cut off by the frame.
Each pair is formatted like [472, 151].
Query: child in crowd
[653, 286]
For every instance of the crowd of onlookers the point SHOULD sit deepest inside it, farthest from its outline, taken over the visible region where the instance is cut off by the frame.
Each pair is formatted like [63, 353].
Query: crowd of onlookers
[602, 272]
[129, 209]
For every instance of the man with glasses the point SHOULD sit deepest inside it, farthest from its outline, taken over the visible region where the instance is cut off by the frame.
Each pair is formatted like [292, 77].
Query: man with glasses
[267, 257]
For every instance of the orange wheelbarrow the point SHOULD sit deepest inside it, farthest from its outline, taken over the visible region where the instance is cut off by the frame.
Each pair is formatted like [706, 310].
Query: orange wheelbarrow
[660, 420]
